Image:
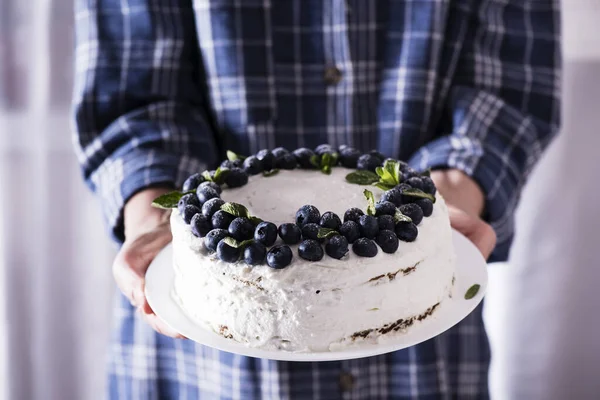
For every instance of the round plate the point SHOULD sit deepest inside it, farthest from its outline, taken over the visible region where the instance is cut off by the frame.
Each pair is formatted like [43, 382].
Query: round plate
[471, 268]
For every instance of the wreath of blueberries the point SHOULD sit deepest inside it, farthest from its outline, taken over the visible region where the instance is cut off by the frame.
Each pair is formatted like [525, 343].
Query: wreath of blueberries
[233, 234]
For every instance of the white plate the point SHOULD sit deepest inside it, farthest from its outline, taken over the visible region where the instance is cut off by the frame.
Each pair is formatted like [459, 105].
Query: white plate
[471, 268]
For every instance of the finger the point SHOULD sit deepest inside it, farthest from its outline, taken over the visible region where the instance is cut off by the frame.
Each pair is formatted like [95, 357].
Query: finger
[159, 326]
[133, 260]
[485, 239]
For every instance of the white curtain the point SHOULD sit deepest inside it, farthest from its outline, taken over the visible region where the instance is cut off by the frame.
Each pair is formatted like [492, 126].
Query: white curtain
[55, 281]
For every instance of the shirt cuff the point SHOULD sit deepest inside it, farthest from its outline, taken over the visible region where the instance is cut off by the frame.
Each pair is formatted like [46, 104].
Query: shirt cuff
[492, 173]
[118, 179]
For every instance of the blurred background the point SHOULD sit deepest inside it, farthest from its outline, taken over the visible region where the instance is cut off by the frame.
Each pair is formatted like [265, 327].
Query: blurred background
[56, 287]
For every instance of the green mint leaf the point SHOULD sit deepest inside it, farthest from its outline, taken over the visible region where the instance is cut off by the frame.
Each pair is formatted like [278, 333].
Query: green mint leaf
[373, 309]
[235, 209]
[271, 172]
[362, 177]
[334, 159]
[412, 192]
[234, 243]
[472, 291]
[207, 177]
[168, 200]
[326, 170]
[326, 233]
[392, 169]
[220, 175]
[231, 156]
[316, 161]
[325, 160]
[399, 217]
[379, 171]
[255, 220]
[371, 200]
[383, 186]
[427, 172]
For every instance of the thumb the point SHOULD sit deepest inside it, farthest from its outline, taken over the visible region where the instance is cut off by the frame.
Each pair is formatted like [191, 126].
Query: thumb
[481, 234]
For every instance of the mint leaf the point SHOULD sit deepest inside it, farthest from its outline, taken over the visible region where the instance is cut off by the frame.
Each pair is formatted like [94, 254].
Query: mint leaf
[362, 177]
[220, 175]
[334, 158]
[392, 169]
[427, 172]
[207, 177]
[326, 169]
[169, 200]
[326, 233]
[271, 172]
[413, 192]
[371, 199]
[472, 291]
[231, 156]
[383, 186]
[234, 243]
[325, 160]
[255, 220]
[399, 217]
[235, 209]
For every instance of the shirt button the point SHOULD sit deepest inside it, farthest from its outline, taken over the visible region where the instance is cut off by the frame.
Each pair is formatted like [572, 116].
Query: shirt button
[346, 382]
[332, 75]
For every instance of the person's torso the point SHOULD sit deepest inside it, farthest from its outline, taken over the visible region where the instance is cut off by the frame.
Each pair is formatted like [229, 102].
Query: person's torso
[372, 74]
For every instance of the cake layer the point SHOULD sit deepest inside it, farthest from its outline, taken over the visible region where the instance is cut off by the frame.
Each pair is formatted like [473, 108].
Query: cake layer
[313, 306]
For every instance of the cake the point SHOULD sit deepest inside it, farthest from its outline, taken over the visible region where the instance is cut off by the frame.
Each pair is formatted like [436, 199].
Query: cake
[347, 283]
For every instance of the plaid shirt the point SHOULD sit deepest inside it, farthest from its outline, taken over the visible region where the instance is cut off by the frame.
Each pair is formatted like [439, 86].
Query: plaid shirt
[163, 88]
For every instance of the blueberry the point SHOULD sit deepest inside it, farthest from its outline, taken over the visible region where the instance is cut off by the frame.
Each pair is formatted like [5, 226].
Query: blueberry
[428, 185]
[324, 148]
[266, 233]
[343, 147]
[188, 213]
[241, 228]
[303, 156]
[307, 214]
[252, 165]
[406, 231]
[227, 253]
[279, 257]
[212, 238]
[255, 254]
[330, 220]
[386, 222]
[409, 173]
[221, 219]
[236, 177]
[413, 211]
[200, 225]
[415, 182]
[279, 152]
[267, 159]
[288, 161]
[394, 196]
[311, 231]
[368, 226]
[336, 247]
[403, 166]
[290, 233]
[353, 214]
[365, 248]
[310, 250]
[192, 182]
[213, 185]
[187, 199]
[377, 154]
[231, 164]
[368, 162]
[211, 207]
[385, 208]
[206, 193]
[388, 241]
[426, 206]
[350, 230]
[349, 157]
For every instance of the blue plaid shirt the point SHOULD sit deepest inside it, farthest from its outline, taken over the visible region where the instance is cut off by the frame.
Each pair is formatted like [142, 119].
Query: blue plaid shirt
[165, 87]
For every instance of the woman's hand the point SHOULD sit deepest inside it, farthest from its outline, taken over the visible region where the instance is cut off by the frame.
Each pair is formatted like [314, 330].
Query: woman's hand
[147, 231]
[465, 204]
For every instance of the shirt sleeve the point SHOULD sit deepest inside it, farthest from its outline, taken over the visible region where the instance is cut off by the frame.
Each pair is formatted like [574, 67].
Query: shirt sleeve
[503, 106]
[139, 114]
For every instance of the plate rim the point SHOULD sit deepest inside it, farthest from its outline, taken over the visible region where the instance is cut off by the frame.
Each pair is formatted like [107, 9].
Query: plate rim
[161, 274]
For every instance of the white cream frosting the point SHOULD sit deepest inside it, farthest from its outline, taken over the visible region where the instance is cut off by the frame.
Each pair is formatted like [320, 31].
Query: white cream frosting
[311, 306]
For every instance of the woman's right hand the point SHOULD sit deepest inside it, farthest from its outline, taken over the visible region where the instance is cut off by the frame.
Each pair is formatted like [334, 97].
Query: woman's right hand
[147, 231]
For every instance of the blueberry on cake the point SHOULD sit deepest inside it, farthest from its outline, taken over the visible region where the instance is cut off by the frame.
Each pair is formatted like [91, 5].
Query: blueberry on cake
[310, 250]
